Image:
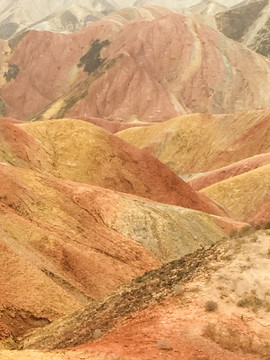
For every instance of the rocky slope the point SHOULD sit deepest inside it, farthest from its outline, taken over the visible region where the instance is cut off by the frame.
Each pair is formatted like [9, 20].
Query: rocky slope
[198, 143]
[57, 254]
[82, 152]
[207, 7]
[248, 24]
[226, 172]
[246, 196]
[167, 311]
[149, 69]
[78, 242]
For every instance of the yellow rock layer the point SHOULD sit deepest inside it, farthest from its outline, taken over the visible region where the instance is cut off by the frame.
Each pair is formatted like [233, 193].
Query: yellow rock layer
[245, 194]
[197, 143]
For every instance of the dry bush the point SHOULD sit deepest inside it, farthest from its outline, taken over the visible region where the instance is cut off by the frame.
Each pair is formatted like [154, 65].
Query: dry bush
[252, 302]
[164, 344]
[211, 306]
[8, 344]
[97, 334]
[178, 290]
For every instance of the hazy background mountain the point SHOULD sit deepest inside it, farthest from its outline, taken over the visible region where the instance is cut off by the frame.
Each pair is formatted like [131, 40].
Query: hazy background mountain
[71, 15]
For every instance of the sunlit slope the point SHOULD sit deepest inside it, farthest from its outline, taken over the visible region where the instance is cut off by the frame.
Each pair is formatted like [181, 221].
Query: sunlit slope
[65, 243]
[56, 251]
[83, 152]
[226, 172]
[61, 223]
[169, 232]
[246, 196]
[28, 296]
[198, 143]
[154, 309]
[150, 68]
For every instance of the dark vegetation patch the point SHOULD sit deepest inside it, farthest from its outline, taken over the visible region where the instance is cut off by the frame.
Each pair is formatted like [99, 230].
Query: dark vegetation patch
[13, 71]
[79, 92]
[92, 60]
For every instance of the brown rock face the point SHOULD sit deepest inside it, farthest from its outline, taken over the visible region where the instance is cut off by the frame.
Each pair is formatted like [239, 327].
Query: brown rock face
[150, 70]
[248, 24]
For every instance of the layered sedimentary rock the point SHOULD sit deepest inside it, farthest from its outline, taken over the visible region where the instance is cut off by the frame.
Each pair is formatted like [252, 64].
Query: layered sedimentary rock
[198, 143]
[246, 196]
[82, 152]
[64, 243]
[226, 172]
[145, 317]
[248, 23]
[150, 69]
[56, 252]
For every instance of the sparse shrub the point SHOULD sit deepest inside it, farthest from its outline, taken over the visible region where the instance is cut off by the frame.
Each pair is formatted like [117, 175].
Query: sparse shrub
[267, 225]
[164, 344]
[97, 334]
[211, 306]
[8, 344]
[234, 233]
[254, 238]
[252, 302]
[178, 290]
[210, 331]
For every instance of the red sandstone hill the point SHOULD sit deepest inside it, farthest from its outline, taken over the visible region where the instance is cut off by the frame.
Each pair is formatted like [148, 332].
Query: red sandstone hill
[64, 244]
[213, 304]
[148, 69]
[82, 152]
[197, 143]
[238, 168]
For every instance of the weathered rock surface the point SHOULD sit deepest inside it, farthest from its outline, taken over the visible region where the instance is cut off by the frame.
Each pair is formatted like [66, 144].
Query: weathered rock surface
[226, 172]
[246, 196]
[19, 16]
[64, 243]
[248, 24]
[82, 152]
[168, 306]
[150, 69]
[57, 253]
[199, 143]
